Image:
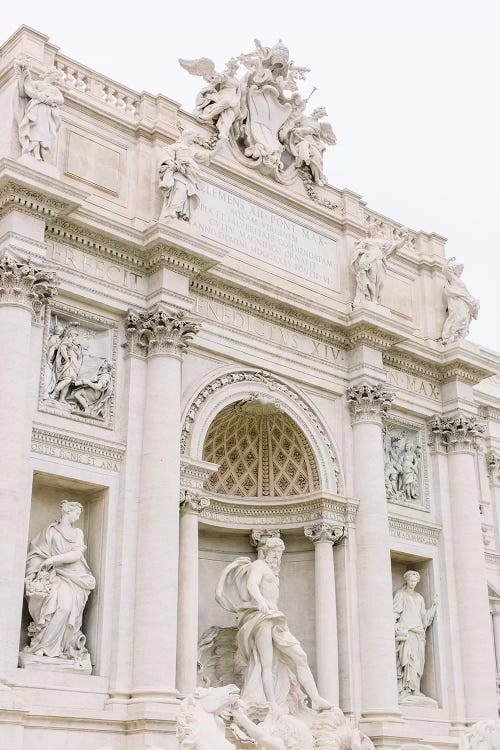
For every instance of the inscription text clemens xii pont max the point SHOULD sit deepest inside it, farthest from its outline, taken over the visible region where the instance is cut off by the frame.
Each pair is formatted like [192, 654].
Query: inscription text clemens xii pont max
[265, 235]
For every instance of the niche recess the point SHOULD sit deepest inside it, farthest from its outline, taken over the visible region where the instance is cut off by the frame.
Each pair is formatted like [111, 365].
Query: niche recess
[48, 492]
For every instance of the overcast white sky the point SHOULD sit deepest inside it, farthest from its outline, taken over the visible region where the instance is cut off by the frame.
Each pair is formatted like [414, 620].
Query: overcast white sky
[411, 88]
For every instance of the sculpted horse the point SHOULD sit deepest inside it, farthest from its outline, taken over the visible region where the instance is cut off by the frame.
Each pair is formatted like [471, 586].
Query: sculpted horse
[200, 726]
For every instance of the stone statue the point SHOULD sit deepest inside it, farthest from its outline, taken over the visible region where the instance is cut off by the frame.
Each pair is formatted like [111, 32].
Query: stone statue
[307, 141]
[64, 358]
[37, 109]
[369, 263]
[274, 659]
[57, 584]
[484, 735]
[461, 306]
[200, 725]
[179, 173]
[262, 113]
[403, 458]
[412, 621]
[91, 395]
[279, 730]
[219, 102]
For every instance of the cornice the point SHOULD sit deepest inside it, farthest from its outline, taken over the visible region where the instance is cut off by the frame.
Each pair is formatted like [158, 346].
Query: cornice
[267, 309]
[30, 190]
[489, 412]
[253, 513]
[411, 365]
[74, 448]
[414, 531]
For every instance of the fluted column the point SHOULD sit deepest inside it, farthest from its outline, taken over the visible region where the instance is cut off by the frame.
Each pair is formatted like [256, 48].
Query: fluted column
[460, 437]
[368, 402]
[163, 337]
[495, 616]
[24, 290]
[324, 536]
[187, 631]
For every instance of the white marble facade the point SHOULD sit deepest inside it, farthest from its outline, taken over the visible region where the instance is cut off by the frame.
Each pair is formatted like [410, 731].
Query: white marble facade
[212, 359]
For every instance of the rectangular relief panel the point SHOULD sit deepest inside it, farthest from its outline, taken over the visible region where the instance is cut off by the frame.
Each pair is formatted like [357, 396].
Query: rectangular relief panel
[100, 164]
[78, 378]
[405, 465]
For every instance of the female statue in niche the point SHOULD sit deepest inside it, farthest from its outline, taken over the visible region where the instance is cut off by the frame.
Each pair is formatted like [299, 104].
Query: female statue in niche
[412, 621]
[58, 583]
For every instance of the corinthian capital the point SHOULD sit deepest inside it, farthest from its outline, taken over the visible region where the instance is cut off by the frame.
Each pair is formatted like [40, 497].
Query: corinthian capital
[324, 532]
[368, 401]
[160, 332]
[25, 285]
[458, 434]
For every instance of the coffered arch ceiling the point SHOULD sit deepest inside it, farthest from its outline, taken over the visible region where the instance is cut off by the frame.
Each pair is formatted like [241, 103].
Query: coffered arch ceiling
[261, 452]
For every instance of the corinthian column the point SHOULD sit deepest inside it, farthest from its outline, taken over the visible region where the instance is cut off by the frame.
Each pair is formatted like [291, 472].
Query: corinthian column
[379, 700]
[24, 290]
[163, 337]
[187, 632]
[460, 437]
[324, 536]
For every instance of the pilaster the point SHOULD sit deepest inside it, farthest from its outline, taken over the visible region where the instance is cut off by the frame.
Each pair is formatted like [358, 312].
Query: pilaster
[459, 437]
[24, 291]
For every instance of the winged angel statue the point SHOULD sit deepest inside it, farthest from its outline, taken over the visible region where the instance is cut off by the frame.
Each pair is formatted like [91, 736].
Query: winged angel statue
[261, 112]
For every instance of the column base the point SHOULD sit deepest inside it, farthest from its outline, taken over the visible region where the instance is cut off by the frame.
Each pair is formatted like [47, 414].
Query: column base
[154, 697]
[382, 725]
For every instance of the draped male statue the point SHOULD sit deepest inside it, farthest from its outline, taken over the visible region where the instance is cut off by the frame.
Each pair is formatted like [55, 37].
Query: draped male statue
[274, 659]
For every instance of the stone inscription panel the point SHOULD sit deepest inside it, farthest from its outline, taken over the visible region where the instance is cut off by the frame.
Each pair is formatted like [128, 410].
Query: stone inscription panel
[265, 235]
[270, 332]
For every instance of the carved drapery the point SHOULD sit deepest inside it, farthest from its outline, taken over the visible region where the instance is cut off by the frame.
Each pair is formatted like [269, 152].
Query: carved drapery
[458, 434]
[23, 284]
[160, 332]
[369, 402]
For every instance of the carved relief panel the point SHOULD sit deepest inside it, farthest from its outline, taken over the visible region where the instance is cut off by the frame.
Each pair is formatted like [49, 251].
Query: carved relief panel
[406, 479]
[78, 366]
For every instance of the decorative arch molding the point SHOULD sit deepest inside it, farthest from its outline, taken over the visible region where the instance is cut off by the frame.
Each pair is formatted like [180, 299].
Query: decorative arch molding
[239, 384]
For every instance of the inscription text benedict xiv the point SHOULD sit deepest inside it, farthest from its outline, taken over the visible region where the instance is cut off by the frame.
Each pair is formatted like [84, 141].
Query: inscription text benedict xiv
[265, 235]
[270, 332]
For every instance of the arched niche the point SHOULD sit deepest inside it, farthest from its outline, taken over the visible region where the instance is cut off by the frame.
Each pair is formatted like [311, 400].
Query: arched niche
[242, 388]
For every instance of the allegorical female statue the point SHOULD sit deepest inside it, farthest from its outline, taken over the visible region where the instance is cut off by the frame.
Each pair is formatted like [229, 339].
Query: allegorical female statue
[179, 173]
[37, 107]
[412, 621]
[461, 306]
[58, 583]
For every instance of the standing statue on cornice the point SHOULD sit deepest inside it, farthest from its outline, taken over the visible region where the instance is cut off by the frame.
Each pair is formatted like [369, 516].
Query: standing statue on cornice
[179, 173]
[37, 109]
[307, 141]
[369, 263]
[219, 102]
[262, 113]
[461, 306]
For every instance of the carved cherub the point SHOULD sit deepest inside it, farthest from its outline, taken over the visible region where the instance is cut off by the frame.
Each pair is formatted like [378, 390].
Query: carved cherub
[219, 102]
